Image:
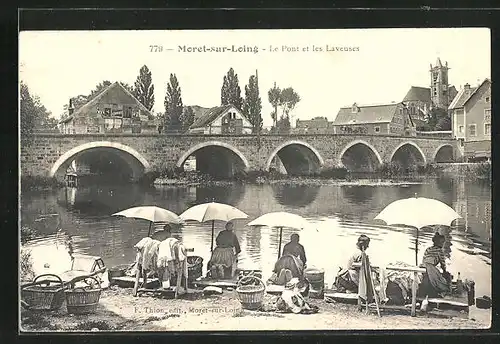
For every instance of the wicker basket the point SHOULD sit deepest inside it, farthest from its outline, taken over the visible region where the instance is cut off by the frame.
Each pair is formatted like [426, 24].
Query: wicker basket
[251, 296]
[82, 300]
[48, 297]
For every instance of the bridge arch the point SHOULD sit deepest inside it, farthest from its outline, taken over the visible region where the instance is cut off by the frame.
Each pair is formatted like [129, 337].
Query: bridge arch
[408, 153]
[134, 159]
[444, 153]
[228, 158]
[297, 157]
[360, 155]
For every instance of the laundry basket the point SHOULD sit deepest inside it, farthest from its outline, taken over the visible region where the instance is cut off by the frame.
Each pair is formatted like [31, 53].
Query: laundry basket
[251, 295]
[46, 294]
[82, 300]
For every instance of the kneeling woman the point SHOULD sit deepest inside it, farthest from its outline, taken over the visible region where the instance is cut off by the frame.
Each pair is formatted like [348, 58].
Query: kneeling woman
[435, 283]
[224, 257]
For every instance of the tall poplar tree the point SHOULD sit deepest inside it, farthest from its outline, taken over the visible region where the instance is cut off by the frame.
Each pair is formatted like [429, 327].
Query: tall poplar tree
[144, 88]
[252, 105]
[230, 91]
[173, 105]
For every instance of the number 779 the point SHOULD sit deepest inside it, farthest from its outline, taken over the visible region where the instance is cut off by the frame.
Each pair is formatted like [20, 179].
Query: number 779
[155, 48]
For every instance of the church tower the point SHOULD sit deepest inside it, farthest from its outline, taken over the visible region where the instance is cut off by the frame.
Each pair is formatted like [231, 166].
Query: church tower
[439, 85]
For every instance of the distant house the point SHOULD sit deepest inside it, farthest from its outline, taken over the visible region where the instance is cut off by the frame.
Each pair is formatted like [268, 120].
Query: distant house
[387, 119]
[471, 120]
[225, 119]
[317, 125]
[114, 110]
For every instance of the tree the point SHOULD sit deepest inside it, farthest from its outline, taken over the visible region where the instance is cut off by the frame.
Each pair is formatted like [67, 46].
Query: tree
[187, 118]
[283, 125]
[144, 88]
[128, 87]
[230, 92]
[287, 100]
[173, 104]
[274, 95]
[438, 118]
[33, 114]
[98, 89]
[444, 123]
[252, 105]
[27, 114]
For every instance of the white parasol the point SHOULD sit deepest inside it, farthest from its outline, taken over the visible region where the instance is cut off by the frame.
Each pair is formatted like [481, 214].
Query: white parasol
[280, 220]
[418, 212]
[213, 212]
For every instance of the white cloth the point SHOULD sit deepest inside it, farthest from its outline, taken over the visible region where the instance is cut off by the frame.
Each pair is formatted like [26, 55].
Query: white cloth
[147, 252]
[165, 250]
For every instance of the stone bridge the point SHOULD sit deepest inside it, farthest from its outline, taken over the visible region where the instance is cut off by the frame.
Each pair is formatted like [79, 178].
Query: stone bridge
[50, 155]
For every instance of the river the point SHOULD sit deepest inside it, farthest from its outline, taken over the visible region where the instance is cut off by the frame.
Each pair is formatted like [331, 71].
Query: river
[338, 215]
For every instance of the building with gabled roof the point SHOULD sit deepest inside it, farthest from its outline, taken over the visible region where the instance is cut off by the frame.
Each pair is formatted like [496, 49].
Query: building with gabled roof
[114, 110]
[378, 119]
[224, 119]
[470, 113]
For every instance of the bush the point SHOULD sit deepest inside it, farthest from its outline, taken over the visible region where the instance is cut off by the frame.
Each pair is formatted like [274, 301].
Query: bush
[334, 173]
[27, 234]
[26, 265]
[484, 170]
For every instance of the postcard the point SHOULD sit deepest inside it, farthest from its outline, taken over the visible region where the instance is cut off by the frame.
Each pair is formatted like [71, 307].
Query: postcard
[234, 180]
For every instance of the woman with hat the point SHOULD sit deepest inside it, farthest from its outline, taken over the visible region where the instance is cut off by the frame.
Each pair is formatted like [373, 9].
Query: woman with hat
[348, 277]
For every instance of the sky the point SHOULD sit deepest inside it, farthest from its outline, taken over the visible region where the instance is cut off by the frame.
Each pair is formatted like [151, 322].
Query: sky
[379, 65]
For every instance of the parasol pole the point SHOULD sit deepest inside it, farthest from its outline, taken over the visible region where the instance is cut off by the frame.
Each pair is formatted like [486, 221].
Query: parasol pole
[416, 244]
[279, 248]
[212, 244]
[149, 230]
[416, 250]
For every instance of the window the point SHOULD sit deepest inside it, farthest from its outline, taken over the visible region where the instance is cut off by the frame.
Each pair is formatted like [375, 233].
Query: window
[487, 129]
[92, 129]
[461, 142]
[472, 130]
[487, 115]
[487, 99]
[377, 129]
[127, 112]
[107, 111]
[461, 129]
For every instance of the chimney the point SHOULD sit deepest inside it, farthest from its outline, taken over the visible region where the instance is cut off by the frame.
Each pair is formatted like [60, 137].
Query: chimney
[467, 87]
[355, 108]
[71, 109]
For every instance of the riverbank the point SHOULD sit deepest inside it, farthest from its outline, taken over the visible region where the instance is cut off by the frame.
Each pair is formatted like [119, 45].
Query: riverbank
[469, 171]
[120, 311]
[387, 174]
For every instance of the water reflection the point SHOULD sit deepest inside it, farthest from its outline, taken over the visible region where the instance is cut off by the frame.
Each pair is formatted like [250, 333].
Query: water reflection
[221, 194]
[295, 196]
[358, 194]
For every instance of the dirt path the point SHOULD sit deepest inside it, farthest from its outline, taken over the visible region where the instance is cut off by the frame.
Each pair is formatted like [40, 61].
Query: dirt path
[120, 311]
